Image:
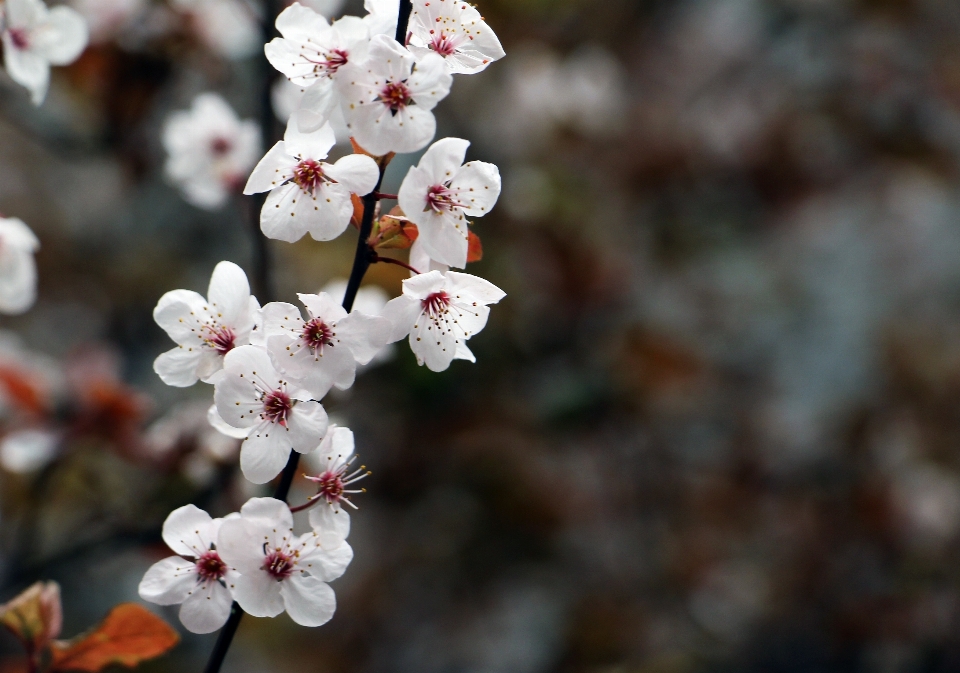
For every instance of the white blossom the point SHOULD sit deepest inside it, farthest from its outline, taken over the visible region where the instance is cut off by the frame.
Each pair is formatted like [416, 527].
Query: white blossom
[252, 394]
[312, 52]
[205, 330]
[333, 463]
[306, 193]
[387, 100]
[438, 194]
[198, 578]
[370, 299]
[210, 150]
[381, 18]
[440, 312]
[422, 261]
[280, 570]
[455, 30]
[324, 350]
[35, 37]
[18, 270]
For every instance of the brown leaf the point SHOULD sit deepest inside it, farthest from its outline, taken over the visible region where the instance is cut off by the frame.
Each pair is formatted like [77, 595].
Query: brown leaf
[35, 616]
[474, 248]
[128, 635]
[394, 232]
[357, 218]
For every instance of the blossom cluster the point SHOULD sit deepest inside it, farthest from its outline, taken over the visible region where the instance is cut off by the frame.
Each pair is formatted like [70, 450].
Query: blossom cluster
[272, 364]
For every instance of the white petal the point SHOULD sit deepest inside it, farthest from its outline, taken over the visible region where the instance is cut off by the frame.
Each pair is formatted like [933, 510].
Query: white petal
[279, 218]
[187, 530]
[62, 37]
[464, 353]
[357, 172]
[268, 508]
[430, 82]
[306, 426]
[309, 601]
[323, 306]
[264, 452]
[275, 168]
[479, 187]
[325, 518]
[329, 564]
[299, 23]
[313, 145]
[179, 313]
[169, 581]
[229, 294]
[178, 366]
[332, 211]
[445, 237]
[240, 545]
[207, 608]
[477, 288]
[420, 287]
[402, 312]
[364, 335]
[223, 427]
[259, 594]
[27, 68]
[435, 345]
[443, 159]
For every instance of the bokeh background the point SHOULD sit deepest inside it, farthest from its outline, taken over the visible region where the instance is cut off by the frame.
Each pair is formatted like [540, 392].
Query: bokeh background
[714, 426]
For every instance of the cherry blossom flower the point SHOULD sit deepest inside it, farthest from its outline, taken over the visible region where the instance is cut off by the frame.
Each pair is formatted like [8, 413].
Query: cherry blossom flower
[306, 193]
[387, 101]
[312, 52]
[18, 271]
[456, 31]
[280, 570]
[210, 151]
[335, 474]
[205, 329]
[439, 193]
[198, 578]
[253, 394]
[35, 37]
[324, 350]
[440, 312]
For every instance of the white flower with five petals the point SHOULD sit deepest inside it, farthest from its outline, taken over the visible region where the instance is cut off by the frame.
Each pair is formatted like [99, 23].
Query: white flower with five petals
[280, 570]
[388, 100]
[205, 329]
[35, 37]
[324, 350]
[251, 394]
[210, 151]
[438, 194]
[440, 312]
[333, 464]
[312, 51]
[198, 578]
[306, 193]
[455, 30]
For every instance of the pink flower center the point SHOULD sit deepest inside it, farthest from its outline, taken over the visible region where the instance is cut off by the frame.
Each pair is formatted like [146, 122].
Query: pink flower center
[19, 38]
[395, 96]
[442, 199]
[210, 566]
[220, 146]
[436, 303]
[330, 485]
[278, 565]
[277, 406]
[317, 334]
[336, 59]
[444, 44]
[308, 175]
[222, 339]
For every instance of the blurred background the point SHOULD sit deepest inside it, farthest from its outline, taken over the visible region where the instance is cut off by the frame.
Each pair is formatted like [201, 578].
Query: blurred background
[714, 426]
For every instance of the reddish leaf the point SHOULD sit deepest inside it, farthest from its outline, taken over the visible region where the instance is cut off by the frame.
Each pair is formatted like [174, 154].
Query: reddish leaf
[35, 616]
[128, 635]
[357, 216]
[21, 390]
[474, 248]
[394, 232]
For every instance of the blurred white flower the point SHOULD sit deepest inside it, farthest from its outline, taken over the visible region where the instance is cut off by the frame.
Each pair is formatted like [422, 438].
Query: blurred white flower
[18, 270]
[24, 451]
[455, 30]
[928, 500]
[231, 28]
[441, 191]
[387, 101]
[35, 37]
[210, 151]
